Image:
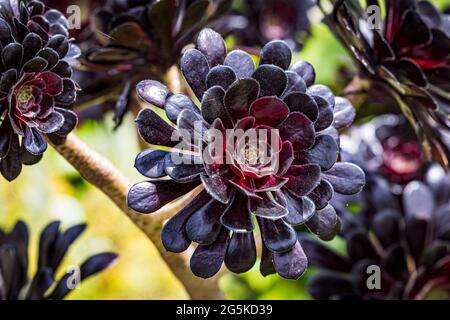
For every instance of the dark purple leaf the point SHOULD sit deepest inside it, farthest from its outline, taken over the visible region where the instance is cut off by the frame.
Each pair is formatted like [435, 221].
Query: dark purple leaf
[11, 166]
[240, 96]
[295, 83]
[325, 223]
[34, 142]
[324, 152]
[153, 92]
[346, 178]
[277, 235]
[323, 92]
[153, 129]
[211, 44]
[268, 207]
[299, 130]
[306, 71]
[51, 124]
[269, 111]
[173, 234]
[213, 107]
[291, 264]
[241, 252]
[203, 226]
[222, 76]
[272, 80]
[241, 62]
[300, 209]
[195, 69]
[150, 163]
[276, 53]
[177, 103]
[344, 113]
[266, 265]
[207, 260]
[302, 179]
[322, 194]
[237, 218]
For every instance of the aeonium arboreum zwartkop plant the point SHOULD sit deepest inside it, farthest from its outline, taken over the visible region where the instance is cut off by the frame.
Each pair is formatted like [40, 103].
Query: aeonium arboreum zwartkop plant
[35, 85]
[256, 22]
[405, 236]
[241, 186]
[136, 40]
[54, 244]
[407, 56]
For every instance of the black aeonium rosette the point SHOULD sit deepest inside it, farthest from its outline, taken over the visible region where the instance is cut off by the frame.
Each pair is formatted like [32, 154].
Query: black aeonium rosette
[257, 22]
[387, 146]
[407, 58]
[237, 96]
[35, 84]
[406, 236]
[138, 40]
[15, 283]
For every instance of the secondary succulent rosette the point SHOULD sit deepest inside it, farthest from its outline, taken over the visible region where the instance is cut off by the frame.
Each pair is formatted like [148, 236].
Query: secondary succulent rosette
[407, 58]
[138, 40]
[257, 22]
[406, 236]
[35, 84]
[303, 118]
[386, 146]
[53, 246]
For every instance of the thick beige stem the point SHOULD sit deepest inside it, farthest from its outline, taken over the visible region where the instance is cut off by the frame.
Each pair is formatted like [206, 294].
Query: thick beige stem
[101, 173]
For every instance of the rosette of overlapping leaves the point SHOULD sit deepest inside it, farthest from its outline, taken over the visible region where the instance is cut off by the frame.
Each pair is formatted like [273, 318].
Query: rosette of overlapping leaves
[235, 95]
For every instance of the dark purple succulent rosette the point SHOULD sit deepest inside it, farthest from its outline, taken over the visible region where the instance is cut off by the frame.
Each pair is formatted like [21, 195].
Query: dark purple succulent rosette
[257, 22]
[236, 95]
[35, 84]
[53, 247]
[408, 58]
[136, 40]
[406, 236]
[385, 146]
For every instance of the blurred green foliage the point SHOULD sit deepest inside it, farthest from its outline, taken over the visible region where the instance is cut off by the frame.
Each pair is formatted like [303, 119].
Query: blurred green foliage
[53, 190]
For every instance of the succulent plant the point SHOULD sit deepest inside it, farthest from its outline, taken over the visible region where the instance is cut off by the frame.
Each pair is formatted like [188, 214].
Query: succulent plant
[240, 185]
[35, 84]
[408, 58]
[53, 246]
[387, 146]
[138, 40]
[406, 236]
[257, 22]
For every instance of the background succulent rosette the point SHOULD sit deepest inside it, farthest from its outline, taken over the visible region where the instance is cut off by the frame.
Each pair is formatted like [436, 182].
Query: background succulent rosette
[386, 146]
[257, 22]
[236, 95]
[405, 235]
[407, 58]
[35, 85]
